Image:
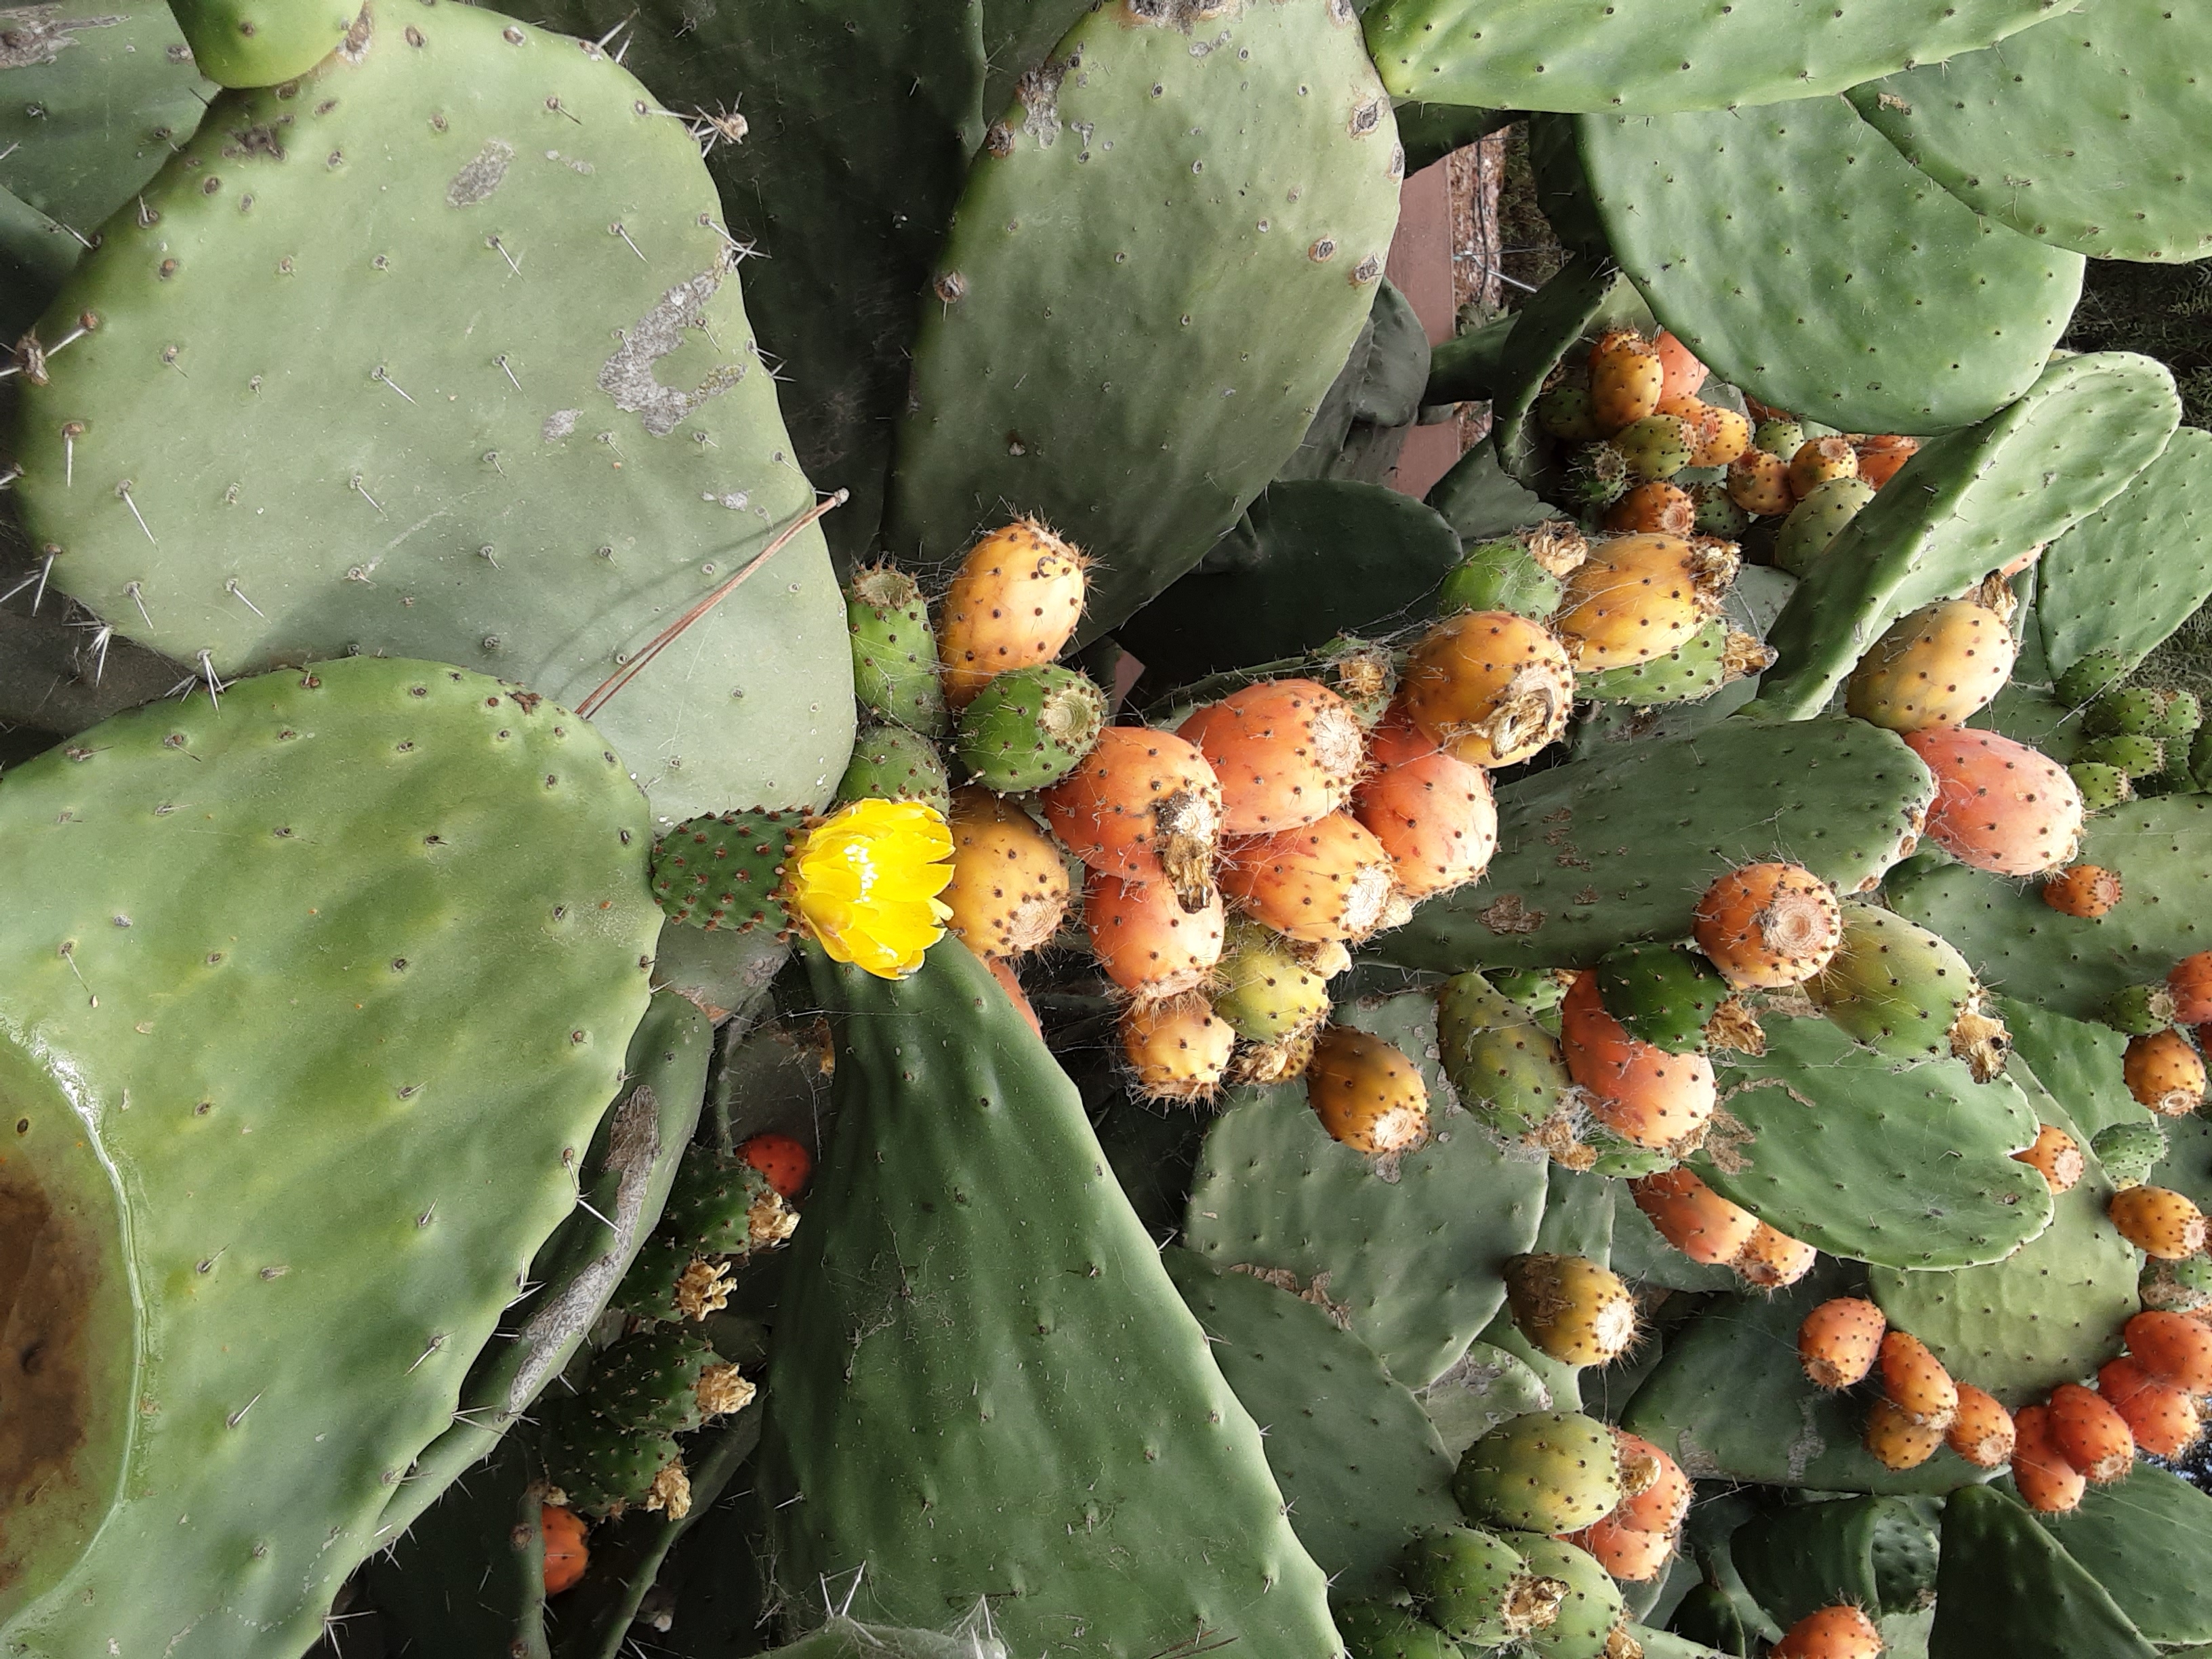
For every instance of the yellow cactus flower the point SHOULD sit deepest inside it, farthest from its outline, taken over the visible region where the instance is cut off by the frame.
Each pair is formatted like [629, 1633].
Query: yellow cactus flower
[866, 883]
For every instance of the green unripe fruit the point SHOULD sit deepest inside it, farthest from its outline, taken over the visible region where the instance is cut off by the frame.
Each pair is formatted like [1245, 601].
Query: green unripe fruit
[2139, 1009]
[2129, 1150]
[1596, 478]
[260, 43]
[2180, 1287]
[1507, 1070]
[727, 872]
[1267, 996]
[2095, 674]
[1030, 728]
[1574, 1310]
[654, 1287]
[1549, 1471]
[1783, 438]
[1816, 521]
[1538, 990]
[1661, 994]
[1500, 575]
[890, 762]
[2137, 757]
[600, 1465]
[1656, 446]
[2184, 716]
[1565, 412]
[1590, 1609]
[2102, 786]
[1476, 1588]
[2132, 711]
[1717, 513]
[1692, 672]
[895, 667]
[724, 1209]
[1375, 1629]
[647, 1382]
[1903, 992]
[1623, 1159]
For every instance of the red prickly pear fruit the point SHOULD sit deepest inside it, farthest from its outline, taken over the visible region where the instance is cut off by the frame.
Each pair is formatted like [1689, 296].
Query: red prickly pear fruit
[1014, 603]
[2047, 1483]
[1772, 1261]
[1839, 1632]
[1769, 926]
[1330, 879]
[1818, 460]
[2000, 806]
[1915, 1382]
[567, 1555]
[1839, 1341]
[1935, 667]
[1009, 888]
[1627, 1553]
[1895, 1440]
[2058, 1156]
[2164, 1073]
[1638, 597]
[2089, 1434]
[1177, 1048]
[2172, 1348]
[1367, 1094]
[1574, 1310]
[1657, 1492]
[1655, 508]
[1760, 483]
[1685, 374]
[2163, 1419]
[1144, 805]
[1286, 752]
[1694, 1218]
[2157, 1222]
[1883, 454]
[1626, 383]
[1433, 813]
[1489, 688]
[2083, 890]
[1011, 983]
[1638, 1090]
[1982, 1433]
[1143, 939]
[2190, 982]
[786, 1162]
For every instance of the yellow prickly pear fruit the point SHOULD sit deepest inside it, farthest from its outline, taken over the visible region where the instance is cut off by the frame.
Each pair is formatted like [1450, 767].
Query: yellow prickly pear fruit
[1839, 1341]
[1009, 886]
[1982, 1433]
[2159, 1223]
[1934, 667]
[1267, 995]
[1759, 482]
[1366, 1093]
[1818, 460]
[1915, 1382]
[1638, 597]
[1896, 1441]
[1626, 383]
[1575, 1311]
[1014, 603]
[1177, 1047]
[1717, 435]
[1489, 688]
[1772, 1261]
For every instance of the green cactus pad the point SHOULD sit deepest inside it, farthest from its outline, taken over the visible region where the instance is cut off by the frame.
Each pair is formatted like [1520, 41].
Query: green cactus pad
[1647, 58]
[186, 884]
[1911, 1169]
[1621, 846]
[1252, 188]
[375, 480]
[2078, 1061]
[1413, 1254]
[1359, 1464]
[1030, 728]
[2148, 1539]
[1583, 294]
[890, 762]
[2070, 965]
[1593, 1605]
[1661, 994]
[1739, 225]
[895, 673]
[727, 872]
[2007, 1586]
[2029, 133]
[1965, 504]
[469, 1577]
[1665, 1644]
[1893, 985]
[964, 1227]
[1799, 1559]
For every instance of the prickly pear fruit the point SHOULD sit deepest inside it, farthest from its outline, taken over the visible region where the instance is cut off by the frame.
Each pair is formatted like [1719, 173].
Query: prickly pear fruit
[2089, 1434]
[1772, 1261]
[1267, 995]
[603, 1467]
[648, 1381]
[2183, 715]
[1816, 521]
[2157, 1222]
[2130, 711]
[1839, 1632]
[1433, 813]
[1367, 1094]
[2172, 1348]
[1375, 1630]
[1177, 1047]
[1639, 597]
[1571, 1308]
[727, 872]
[2183, 1287]
[1014, 603]
[1895, 1440]
[1009, 887]
[1915, 1382]
[1143, 939]
[567, 1554]
[895, 670]
[2138, 1010]
[1767, 925]
[1715, 513]
[1654, 508]
[1661, 995]
[718, 1209]
[1694, 1218]
[1934, 667]
[1904, 992]
[1144, 805]
[1029, 728]
[1476, 1588]
[2136, 758]
[1655, 1493]
[1881, 455]
[1564, 410]
[1641, 1092]
[1286, 752]
[1625, 385]
[1596, 478]
[1550, 1471]
[1499, 576]
[1011, 982]
[1717, 435]
[1839, 1340]
[2128, 1151]
[1818, 460]
[1759, 482]
[1778, 435]
[2102, 786]
[2091, 677]
[2164, 1419]
[2046, 1482]
[2058, 1156]
[2165, 1072]
[890, 762]
[784, 1163]
[1684, 374]
[2083, 890]
[1656, 446]
[1489, 688]
[1628, 1555]
[1590, 1612]
[1330, 879]
[1999, 807]
[1982, 1433]
[1506, 1069]
[2190, 982]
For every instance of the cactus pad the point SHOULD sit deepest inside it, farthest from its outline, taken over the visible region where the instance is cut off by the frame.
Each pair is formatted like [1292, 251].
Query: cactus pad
[2005, 1585]
[2148, 1539]
[1816, 1555]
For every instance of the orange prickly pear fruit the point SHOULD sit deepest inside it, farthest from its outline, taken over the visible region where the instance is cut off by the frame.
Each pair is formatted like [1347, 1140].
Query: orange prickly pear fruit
[567, 1555]
[2047, 1482]
[2000, 806]
[1839, 1341]
[1177, 1048]
[1694, 1218]
[1011, 983]
[1915, 1381]
[1489, 688]
[1620, 338]
[1881, 454]
[2089, 1434]
[2190, 982]
[2163, 1419]
[1768, 926]
[2058, 1155]
[1143, 939]
[1286, 752]
[1896, 1441]
[1934, 667]
[1685, 374]
[1638, 1090]
[1760, 483]
[2165, 1072]
[1638, 597]
[1627, 1553]
[1330, 879]
[1657, 508]
[2083, 890]
[1839, 1632]
[1574, 1310]
[784, 1161]
[1433, 813]
[1366, 1093]
[1818, 460]
[2157, 1222]
[1626, 383]
[1982, 1433]
[1772, 1261]
[1717, 435]
[1144, 805]
[1013, 604]
[1655, 1493]
[2172, 1348]
[1009, 887]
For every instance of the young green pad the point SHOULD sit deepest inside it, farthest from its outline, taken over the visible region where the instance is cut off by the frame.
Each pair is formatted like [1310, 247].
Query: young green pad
[2007, 1586]
[330, 852]
[487, 395]
[2148, 1539]
[1816, 1555]
[965, 1229]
